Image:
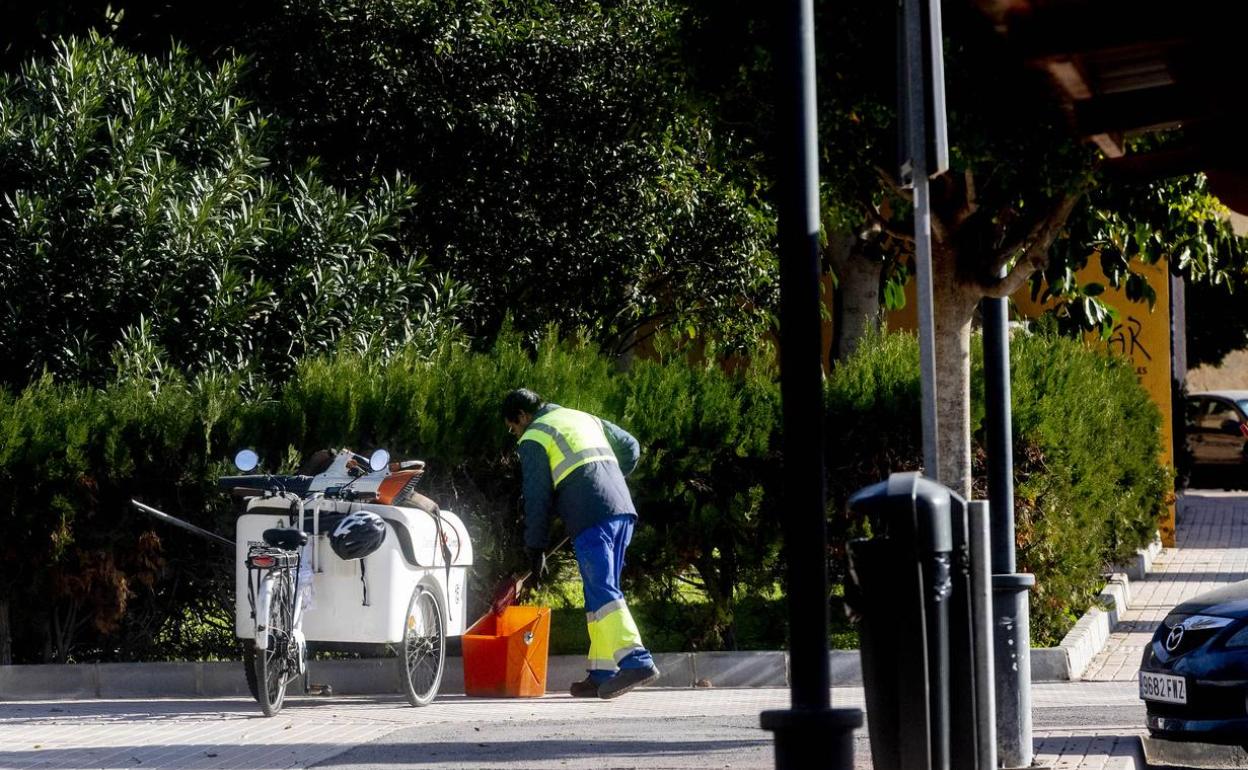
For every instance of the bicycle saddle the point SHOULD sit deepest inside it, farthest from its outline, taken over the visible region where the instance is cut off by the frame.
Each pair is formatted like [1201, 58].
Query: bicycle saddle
[289, 539]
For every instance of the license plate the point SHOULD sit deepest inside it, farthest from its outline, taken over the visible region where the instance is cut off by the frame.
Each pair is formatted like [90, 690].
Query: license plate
[1163, 687]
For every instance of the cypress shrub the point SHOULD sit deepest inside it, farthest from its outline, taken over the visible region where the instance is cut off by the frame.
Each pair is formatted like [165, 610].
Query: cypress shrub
[89, 578]
[1089, 486]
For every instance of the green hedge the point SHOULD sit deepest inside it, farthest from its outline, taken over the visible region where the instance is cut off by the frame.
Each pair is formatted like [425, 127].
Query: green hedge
[1089, 487]
[90, 578]
[87, 577]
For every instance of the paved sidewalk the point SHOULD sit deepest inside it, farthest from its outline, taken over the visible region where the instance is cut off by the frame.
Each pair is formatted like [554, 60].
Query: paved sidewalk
[1079, 725]
[1212, 539]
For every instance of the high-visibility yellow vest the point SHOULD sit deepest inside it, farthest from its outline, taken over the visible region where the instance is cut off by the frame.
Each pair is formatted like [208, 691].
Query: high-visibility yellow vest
[571, 439]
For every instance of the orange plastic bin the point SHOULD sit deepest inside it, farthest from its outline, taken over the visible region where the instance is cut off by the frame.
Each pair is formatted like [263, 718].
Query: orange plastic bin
[505, 655]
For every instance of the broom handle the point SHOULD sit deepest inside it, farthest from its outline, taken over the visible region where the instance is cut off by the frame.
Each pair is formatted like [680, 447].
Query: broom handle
[551, 552]
[519, 582]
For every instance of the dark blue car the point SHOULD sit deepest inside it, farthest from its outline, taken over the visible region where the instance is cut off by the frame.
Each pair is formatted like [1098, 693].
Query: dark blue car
[1194, 675]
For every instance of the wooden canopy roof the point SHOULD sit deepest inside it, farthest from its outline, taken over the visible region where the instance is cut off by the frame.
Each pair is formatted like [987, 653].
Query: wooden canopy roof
[1124, 67]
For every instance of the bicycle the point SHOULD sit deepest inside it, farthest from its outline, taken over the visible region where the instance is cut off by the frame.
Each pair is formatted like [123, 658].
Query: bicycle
[278, 653]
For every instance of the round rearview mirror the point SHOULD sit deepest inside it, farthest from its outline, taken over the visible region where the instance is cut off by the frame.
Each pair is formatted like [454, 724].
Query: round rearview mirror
[379, 460]
[246, 460]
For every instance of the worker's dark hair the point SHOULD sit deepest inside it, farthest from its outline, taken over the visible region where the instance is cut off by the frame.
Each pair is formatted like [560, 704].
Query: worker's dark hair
[521, 400]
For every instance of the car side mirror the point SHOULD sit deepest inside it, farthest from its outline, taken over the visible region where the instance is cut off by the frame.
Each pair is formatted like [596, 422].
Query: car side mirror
[1232, 428]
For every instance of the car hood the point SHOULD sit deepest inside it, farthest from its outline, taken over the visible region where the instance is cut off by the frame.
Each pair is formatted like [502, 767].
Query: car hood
[1226, 602]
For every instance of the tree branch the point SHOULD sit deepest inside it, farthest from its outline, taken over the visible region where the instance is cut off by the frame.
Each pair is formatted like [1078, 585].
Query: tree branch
[1013, 281]
[880, 224]
[970, 202]
[1034, 248]
[891, 184]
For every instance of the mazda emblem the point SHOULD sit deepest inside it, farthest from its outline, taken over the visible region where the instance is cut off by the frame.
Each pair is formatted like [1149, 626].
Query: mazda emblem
[1174, 639]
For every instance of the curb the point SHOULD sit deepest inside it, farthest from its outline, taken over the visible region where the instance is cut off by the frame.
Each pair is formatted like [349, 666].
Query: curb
[375, 676]
[380, 676]
[1138, 759]
[1063, 663]
[1068, 661]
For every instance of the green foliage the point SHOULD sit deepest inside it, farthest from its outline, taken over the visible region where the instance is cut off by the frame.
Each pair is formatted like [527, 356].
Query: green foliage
[93, 579]
[565, 169]
[1089, 484]
[1124, 225]
[143, 228]
[707, 485]
[1219, 326]
[873, 423]
[562, 172]
[90, 578]
[85, 573]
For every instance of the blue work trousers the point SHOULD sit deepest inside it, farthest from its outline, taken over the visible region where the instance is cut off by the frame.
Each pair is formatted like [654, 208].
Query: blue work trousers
[614, 640]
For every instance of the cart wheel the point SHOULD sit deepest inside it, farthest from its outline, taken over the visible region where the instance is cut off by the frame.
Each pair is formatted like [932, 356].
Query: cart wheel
[273, 666]
[424, 648]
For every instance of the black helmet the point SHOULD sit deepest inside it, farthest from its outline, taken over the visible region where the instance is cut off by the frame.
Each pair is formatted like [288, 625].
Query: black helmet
[357, 535]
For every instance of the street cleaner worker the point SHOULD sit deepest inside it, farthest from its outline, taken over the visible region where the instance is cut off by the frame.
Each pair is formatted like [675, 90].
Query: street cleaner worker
[575, 463]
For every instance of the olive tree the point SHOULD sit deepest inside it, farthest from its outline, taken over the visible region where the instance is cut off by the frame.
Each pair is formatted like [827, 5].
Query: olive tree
[142, 226]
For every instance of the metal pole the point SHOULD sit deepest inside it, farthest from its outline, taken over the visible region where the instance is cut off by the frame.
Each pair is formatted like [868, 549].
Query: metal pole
[810, 734]
[189, 527]
[981, 611]
[801, 372]
[998, 416]
[1011, 605]
[915, 173]
[927, 335]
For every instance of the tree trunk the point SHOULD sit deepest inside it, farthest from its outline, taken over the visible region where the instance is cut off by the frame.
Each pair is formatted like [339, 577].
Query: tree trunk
[857, 305]
[954, 308]
[856, 300]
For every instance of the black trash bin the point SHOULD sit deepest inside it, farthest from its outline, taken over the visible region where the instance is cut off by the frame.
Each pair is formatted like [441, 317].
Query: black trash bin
[899, 590]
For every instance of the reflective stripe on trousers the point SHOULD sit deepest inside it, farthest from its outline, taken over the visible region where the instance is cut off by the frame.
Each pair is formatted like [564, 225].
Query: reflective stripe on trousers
[614, 640]
[613, 636]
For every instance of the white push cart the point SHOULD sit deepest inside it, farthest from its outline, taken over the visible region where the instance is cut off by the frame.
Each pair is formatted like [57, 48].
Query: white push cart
[409, 594]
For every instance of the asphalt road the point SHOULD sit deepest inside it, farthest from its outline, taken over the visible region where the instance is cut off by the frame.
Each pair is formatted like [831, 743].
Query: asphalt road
[654, 740]
[652, 729]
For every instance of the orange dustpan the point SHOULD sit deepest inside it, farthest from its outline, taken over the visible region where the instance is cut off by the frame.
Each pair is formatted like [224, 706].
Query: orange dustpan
[505, 655]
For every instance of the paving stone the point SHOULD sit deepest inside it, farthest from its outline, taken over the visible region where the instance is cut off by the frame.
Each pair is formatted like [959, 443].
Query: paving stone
[1211, 551]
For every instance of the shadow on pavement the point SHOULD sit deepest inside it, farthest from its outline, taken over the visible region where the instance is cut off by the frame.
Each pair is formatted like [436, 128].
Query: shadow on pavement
[414, 754]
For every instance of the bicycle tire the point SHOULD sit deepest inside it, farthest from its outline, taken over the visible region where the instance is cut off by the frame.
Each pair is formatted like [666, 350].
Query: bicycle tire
[423, 648]
[272, 669]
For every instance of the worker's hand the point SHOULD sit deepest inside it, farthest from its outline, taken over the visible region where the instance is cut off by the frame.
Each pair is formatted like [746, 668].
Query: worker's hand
[537, 567]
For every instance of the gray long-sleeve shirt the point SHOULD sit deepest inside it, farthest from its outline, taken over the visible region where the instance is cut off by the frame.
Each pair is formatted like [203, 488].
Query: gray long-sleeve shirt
[590, 493]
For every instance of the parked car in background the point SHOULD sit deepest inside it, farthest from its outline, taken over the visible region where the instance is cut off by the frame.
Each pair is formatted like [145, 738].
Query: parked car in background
[1217, 438]
[1194, 674]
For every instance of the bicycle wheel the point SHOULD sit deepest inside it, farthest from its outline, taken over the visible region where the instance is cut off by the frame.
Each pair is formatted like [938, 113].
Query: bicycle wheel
[272, 665]
[424, 648]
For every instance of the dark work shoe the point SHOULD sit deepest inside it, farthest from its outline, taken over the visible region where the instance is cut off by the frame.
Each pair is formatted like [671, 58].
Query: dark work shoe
[626, 680]
[587, 688]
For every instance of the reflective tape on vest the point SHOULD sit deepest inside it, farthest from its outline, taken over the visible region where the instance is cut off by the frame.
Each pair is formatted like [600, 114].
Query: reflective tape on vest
[571, 439]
